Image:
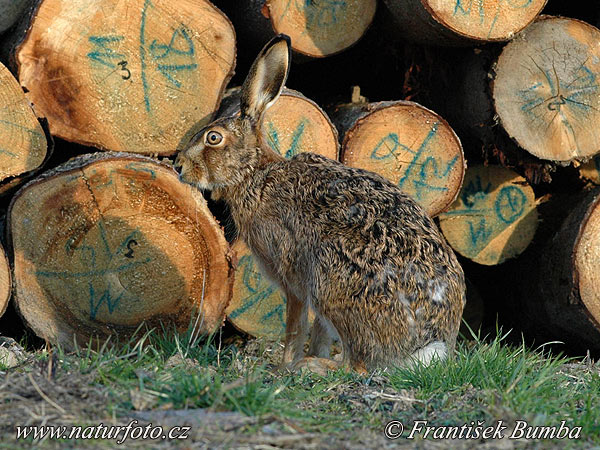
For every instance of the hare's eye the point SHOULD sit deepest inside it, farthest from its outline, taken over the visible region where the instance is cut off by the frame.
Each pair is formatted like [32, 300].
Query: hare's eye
[214, 138]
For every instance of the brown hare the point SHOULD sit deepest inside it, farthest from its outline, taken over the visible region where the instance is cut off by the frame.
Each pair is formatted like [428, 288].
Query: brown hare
[345, 241]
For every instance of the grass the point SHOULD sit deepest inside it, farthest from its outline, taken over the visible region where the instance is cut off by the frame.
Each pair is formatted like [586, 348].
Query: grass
[488, 380]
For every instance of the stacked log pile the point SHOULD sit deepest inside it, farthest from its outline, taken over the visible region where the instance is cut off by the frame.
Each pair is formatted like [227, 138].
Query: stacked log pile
[486, 113]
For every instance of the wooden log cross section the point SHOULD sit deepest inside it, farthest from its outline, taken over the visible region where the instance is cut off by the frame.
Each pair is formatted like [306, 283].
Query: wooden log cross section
[317, 28]
[321, 28]
[292, 125]
[108, 241]
[23, 145]
[406, 143]
[561, 288]
[547, 91]
[456, 22]
[494, 218]
[133, 75]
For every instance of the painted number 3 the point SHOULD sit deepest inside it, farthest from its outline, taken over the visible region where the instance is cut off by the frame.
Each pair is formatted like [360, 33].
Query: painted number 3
[125, 73]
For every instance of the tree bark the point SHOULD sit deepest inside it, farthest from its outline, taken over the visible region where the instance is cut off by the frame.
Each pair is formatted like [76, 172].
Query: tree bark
[132, 75]
[494, 218]
[406, 143]
[5, 281]
[560, 293]
[108, 241]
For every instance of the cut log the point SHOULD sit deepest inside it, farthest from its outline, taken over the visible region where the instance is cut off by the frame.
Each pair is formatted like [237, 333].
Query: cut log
[108, 241]
[293, 124]
[591, 170]
[546, 90]
[132, 75]
[561, 283]
[10, 11]
[463, 96]
[5, 281]
[23, 145]
[406, 143]
[317, 28]
[494, 218]
[257, 306]
[456, 22]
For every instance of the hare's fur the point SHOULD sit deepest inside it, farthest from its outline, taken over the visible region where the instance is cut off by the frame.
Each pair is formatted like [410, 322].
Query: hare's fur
[345, 241]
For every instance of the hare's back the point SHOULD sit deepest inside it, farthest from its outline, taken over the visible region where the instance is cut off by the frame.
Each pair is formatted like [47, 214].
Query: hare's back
[350, 196]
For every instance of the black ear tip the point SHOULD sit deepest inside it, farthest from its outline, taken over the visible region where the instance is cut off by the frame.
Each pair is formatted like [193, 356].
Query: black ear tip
[282, 37]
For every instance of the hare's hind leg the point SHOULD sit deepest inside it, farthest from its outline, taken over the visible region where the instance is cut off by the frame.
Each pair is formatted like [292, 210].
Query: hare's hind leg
[322, 335]
[296, 328]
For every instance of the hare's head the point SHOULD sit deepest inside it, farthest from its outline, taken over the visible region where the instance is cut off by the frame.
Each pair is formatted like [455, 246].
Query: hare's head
[226, 151]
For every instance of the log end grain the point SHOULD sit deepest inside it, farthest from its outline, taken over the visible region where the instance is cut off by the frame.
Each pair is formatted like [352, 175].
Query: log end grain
[546, 90]
[257, 306]
[322, 28]
[131, 76]
[494, 218]
[485, 21]
[411, 146]
[107, 242]
[587, 261]
[23, 145]
[296, 124]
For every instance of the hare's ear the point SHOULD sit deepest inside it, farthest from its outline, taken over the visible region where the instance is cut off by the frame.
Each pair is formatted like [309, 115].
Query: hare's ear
[266, 78]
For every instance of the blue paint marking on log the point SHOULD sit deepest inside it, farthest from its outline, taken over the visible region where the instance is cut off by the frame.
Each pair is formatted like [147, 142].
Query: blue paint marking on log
[254, 283]
[147, 4]
[322, 14]
[424, 175]
[430, 169]
[259, 289]
[465, 7]
[21, 127]
[277, 312]
[510, 204]
[418, 154]
[142, 169]
[106, 298]
[6, 152]
[481, 234]
[87, 255]
[394, 140]
[180, 46]
[103, 53]
[274, 143]
[176, 56]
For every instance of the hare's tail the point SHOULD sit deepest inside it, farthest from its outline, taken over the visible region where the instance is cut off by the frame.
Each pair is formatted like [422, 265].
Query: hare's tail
[436, 350]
